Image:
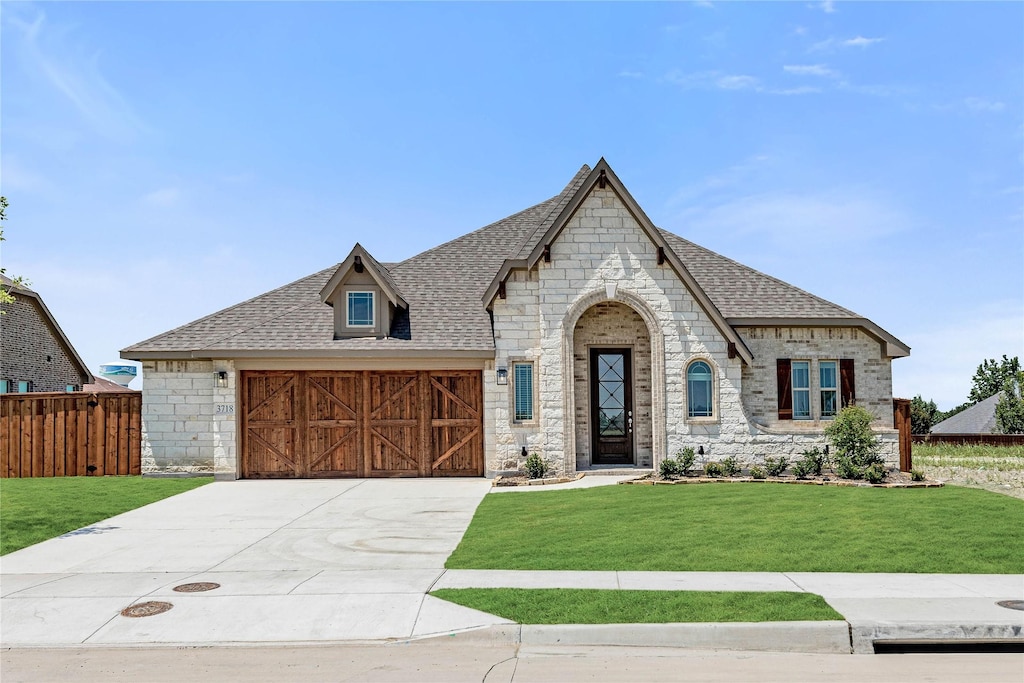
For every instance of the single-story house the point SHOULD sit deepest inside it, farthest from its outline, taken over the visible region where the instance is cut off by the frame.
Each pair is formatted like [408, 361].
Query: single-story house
[575, 329]
[35, 354]
[978, 419]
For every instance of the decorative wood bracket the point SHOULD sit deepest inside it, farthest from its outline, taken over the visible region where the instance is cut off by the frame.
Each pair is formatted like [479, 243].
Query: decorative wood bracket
[732, 350]
[661, 256]
[501, 289]
[602, 180]
[547, 253]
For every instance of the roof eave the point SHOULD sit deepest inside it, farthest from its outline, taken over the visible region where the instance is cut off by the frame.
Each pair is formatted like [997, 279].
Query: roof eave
[894, 348]
[212, 354]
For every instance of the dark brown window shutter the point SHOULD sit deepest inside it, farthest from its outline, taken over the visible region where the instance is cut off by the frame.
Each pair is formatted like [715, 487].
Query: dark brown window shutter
[848, 387]
[785, 377]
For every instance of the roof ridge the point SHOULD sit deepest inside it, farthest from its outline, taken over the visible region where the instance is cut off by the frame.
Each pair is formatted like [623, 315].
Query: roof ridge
[758, 272]
[562, 198]
[231, 308]
[478, 230]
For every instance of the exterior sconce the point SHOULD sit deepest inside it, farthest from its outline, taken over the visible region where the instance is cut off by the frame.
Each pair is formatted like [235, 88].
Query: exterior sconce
[502, 376]
[700, 450]
[221, 379]
[826, 449]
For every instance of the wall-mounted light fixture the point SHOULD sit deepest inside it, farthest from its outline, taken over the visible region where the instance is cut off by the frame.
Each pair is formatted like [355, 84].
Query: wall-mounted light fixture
[221, 379]
[502, 376]
[826, 449]
[700, 450]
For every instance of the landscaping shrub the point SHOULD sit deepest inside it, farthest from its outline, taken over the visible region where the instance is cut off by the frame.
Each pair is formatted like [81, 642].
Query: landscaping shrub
[776, 466]
[853, 439]
[731, 466]
[875, 473]
[686, 457]
[845, 469]
[712, 469]
[678, 466]
[916, 475]
[535, 466]
[802, 468]
[757, 472]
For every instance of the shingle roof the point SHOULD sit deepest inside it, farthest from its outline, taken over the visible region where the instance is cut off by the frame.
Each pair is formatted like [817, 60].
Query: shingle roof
[978, 419]
[444, 287]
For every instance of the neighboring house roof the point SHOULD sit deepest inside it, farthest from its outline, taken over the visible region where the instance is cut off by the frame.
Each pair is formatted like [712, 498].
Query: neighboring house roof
[978, 419]
[449, 288]
[20, 290]
[100, 385]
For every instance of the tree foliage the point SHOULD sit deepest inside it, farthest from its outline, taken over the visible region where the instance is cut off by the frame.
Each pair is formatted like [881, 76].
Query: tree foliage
[5, 296]
[923, 414]
[1010, 408]
[991, 376]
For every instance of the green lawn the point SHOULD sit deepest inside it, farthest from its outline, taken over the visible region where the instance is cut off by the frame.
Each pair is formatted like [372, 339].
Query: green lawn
[747, 527]
[577, 606]
[33, 510]
[1002, 458]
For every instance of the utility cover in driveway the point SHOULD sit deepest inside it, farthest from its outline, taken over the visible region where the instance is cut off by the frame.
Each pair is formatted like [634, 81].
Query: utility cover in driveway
[308, 424]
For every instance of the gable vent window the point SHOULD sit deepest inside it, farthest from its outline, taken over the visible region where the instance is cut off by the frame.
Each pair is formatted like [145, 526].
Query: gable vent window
[522, 379]
[360, 309]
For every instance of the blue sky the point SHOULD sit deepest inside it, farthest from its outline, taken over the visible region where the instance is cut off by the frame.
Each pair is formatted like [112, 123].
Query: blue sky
[165, 160]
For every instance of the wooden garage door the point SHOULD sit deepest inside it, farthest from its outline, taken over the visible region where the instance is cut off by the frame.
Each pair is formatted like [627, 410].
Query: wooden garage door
[298, 424]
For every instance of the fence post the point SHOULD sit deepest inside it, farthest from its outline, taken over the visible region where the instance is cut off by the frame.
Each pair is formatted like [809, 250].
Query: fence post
[901, 421]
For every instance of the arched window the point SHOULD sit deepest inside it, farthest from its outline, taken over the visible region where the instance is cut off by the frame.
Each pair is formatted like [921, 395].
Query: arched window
[699, 394]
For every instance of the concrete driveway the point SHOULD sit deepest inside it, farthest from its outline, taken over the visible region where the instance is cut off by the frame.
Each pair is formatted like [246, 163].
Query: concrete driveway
[298, 561]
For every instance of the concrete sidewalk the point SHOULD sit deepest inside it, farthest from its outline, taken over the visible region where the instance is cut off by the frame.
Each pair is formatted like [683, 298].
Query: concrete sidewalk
[354, 560]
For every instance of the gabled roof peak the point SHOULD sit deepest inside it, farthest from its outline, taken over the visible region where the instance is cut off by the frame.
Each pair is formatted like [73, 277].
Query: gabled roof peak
[360, 260]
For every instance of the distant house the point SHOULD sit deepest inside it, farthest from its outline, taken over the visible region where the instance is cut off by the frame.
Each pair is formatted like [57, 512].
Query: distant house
[35, 355]
[575, 329]
[978, 419]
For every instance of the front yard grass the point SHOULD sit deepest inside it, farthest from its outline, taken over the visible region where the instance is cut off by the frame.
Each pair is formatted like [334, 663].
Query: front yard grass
[34, 510]
[579, 606]
[747, 527]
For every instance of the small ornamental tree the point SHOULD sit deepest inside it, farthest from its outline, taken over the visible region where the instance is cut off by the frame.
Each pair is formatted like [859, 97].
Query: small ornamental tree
[855, 444]
[1010, 408]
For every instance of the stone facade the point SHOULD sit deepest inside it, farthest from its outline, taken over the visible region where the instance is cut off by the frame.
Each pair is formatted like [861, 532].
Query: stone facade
[32, 351]
[604, 286]
[188, 422]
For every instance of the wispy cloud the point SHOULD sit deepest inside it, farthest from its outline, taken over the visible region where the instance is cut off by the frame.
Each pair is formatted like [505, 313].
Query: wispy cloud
[626, 73]
[706, 4]
[46, 53]
[712, 185]
[164, 197]
[983, 104]
[826, 6]
[811, 70]
[717, 80]
[834, 218]
[832, 43]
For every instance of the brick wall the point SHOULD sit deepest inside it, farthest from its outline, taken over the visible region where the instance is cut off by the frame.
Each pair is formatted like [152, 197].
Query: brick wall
[29, 349]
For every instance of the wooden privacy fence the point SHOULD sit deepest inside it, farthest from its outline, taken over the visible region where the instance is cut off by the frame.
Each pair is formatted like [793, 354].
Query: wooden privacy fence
[72, 434]
[971, 439]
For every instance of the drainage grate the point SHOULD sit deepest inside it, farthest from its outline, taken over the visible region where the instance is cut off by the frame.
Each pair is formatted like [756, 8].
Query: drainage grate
[146, 609]
[1012, 604]
[197, 587]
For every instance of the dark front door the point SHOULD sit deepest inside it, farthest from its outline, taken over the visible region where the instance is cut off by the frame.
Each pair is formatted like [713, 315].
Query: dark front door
[611, 406]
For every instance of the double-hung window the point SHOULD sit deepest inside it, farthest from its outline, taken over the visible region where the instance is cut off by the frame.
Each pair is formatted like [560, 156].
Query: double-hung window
[828, 385]
[360, 309]
[801, 390]
[5, 386]
[522, 385]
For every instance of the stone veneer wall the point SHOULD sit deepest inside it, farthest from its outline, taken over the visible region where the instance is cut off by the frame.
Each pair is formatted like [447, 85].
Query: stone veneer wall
[188, 423]
[603, 246]
[612, 324]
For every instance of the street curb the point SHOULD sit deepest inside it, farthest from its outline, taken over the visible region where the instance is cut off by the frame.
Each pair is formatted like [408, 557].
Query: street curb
[819, 637]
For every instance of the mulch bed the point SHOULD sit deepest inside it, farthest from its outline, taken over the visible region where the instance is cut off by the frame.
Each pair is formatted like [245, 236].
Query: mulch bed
[893, 480]
[523, 480]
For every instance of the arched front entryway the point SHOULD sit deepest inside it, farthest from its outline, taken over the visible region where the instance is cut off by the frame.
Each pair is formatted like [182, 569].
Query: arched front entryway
[612, 382]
